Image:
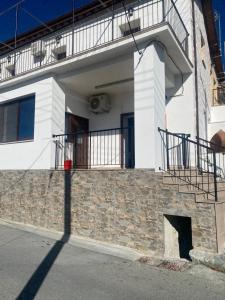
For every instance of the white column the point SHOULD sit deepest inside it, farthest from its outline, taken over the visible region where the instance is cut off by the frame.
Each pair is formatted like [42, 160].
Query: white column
[149, 105]
[58, 114]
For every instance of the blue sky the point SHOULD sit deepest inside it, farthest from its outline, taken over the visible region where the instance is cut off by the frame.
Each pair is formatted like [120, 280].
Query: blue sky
[49, 9]
[45, 10]
[219, 6]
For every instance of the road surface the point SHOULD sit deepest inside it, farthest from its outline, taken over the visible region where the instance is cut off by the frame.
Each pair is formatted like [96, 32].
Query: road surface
[36, 267]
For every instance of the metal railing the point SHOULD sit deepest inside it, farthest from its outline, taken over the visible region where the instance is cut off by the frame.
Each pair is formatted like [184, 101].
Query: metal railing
[219, 96]
[92, 33]
[220, 155]
[99, 148]
[173, 18]
[194, 162]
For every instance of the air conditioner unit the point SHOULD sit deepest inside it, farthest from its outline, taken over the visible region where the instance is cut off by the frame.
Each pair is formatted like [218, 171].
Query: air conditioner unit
[99, 103]
[10, 65]
[59, 51]
[38, 49]
[131, 27]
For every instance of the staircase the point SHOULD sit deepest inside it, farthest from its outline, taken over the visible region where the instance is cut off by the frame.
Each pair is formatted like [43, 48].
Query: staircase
[193, 166]
[191, 182]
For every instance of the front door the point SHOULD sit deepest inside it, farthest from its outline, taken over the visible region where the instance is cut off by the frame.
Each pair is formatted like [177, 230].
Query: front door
[78, 127]
[127, 124]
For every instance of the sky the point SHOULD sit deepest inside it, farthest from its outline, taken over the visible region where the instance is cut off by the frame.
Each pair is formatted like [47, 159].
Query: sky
[47, 10]
[219, 6]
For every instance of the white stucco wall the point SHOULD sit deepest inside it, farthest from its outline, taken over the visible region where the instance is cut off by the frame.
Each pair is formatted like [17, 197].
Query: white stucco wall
[120, 103]
[77, 105]
[217, 121]
[204, 79]
[181, 109]
[36, 154]
[180, 104]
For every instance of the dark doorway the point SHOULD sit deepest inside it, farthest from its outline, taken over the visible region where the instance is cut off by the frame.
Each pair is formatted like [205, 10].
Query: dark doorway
[78, 127]
[179, 231]
[127, 125]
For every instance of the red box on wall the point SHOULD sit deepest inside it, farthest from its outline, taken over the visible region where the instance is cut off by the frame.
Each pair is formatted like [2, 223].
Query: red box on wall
[68, 165]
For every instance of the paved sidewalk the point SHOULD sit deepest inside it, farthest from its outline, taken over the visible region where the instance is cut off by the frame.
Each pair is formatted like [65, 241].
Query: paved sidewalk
[34, 266]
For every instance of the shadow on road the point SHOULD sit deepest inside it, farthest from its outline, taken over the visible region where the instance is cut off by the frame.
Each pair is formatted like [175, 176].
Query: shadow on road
[33, 285]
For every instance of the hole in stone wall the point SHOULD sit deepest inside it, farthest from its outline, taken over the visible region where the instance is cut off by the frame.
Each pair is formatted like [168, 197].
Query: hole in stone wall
[177, 236]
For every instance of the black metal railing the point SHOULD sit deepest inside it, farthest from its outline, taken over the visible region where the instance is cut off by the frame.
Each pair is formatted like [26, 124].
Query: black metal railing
[219, 153]
[219, 96]
[100, 148]
[94, 32]
[193, 161]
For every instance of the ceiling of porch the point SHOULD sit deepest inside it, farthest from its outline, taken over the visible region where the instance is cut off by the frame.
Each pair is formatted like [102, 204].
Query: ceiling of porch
[112, 77]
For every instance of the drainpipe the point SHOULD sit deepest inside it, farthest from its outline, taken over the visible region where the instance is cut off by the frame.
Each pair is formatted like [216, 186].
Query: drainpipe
[196, 80]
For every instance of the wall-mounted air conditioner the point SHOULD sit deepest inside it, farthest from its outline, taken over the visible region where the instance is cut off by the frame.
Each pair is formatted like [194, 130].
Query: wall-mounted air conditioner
[10, 65]
[131, 27]
[59, 51]
[38, 49]
[99, 103]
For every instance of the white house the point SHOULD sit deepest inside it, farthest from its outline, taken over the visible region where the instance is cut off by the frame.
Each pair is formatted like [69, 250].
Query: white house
[97, 87]
[118, 85]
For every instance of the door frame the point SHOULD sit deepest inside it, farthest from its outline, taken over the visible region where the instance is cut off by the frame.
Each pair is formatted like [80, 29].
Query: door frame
[123, 163]
[84, 138]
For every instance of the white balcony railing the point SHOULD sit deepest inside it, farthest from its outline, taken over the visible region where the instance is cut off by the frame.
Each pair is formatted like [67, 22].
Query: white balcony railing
[92, 33]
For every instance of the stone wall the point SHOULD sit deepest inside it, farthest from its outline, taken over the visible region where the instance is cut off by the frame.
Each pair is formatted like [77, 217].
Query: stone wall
[124, 207]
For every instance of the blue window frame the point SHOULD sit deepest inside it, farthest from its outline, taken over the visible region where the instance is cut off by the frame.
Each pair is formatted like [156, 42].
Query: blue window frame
[17, 120]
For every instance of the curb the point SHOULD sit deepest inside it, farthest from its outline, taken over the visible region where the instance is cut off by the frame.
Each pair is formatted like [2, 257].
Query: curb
[81, 242]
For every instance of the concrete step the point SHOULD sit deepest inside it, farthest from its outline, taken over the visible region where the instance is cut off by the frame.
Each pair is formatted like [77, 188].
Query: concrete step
[189, 173]
[179, 180]
[202, 186]
[205, 187]
[184, 172]
[188, 188]
[191, 183]
[211, 185]
[204, 197]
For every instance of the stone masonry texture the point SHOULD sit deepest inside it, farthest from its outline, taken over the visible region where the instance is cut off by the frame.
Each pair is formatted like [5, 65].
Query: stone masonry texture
[124, 207]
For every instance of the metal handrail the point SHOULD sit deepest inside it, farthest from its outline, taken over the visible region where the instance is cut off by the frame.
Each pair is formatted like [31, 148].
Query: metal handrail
[184, 138]
[88, 132]
[183, 155]
[211, 143]
[179, 16]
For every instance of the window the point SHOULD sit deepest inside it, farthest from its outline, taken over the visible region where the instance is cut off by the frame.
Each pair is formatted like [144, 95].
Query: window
[17, 120]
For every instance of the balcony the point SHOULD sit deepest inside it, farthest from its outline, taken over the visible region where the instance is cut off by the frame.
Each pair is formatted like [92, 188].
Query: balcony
[92, 33]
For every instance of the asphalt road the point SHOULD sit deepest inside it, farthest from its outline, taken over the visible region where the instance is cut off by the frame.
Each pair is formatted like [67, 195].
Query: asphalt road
[32, 266]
